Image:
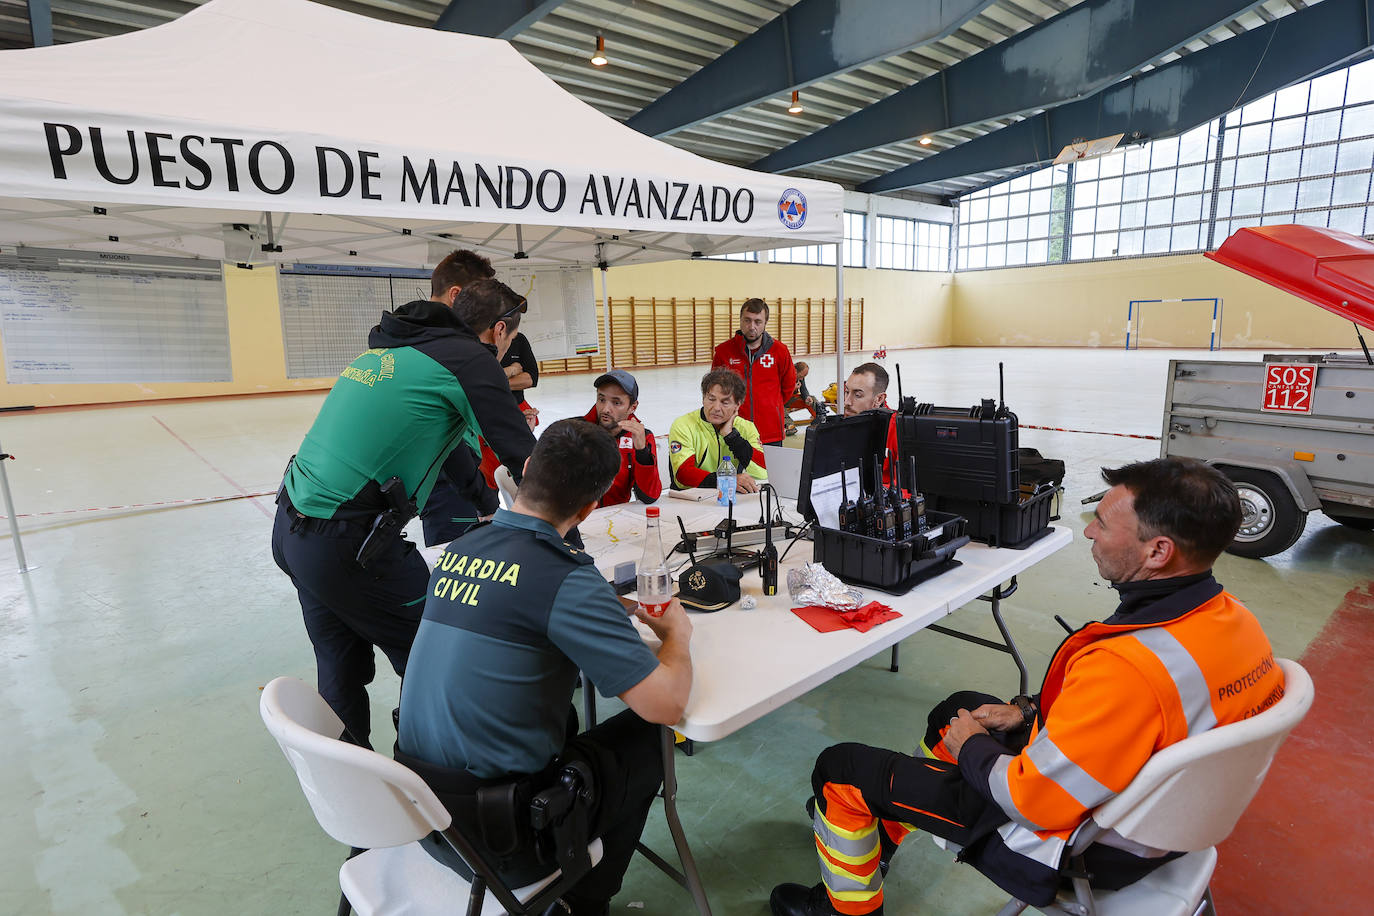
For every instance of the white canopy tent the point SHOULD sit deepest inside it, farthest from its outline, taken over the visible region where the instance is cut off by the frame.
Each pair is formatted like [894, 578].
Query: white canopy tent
[288, 131]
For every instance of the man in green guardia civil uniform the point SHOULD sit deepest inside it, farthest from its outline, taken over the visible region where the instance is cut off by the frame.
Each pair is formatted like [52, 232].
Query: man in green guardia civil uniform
[431, 381]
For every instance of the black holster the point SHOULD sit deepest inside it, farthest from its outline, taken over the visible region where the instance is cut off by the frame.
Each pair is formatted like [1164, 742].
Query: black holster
[387, 524]
[525, 826]
[562, 817]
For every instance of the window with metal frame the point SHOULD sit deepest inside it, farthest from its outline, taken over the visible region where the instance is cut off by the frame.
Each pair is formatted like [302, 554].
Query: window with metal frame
[1304, 154]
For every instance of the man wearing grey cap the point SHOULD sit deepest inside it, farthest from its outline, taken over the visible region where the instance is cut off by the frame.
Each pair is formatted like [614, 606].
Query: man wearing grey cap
[617, 396]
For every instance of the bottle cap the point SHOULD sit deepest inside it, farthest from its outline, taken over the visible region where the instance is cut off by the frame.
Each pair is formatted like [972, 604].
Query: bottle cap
[651, 512]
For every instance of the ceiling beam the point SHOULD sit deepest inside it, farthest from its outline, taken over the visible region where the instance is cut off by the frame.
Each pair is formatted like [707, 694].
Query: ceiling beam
[40, 22]
[1167, 100]
[812, 40]
[1077, 52]
[494, 20]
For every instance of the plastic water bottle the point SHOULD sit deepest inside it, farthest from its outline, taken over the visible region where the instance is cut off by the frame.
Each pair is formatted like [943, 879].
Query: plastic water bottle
[653, 582]
[726, 481]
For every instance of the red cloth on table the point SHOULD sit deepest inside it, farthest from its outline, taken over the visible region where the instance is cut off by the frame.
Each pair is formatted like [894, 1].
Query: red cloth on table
[828, 620]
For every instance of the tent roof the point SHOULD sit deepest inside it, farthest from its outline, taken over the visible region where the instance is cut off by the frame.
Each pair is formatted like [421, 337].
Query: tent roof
[244, 108]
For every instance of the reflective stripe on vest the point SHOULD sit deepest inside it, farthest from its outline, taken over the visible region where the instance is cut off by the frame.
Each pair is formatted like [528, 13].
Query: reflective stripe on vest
[999, 781]
[1194, 697]
[1055, 765]
[1048, 852]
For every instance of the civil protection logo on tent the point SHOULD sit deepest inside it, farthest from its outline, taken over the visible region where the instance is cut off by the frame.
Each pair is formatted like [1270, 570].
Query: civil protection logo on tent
[792, 208]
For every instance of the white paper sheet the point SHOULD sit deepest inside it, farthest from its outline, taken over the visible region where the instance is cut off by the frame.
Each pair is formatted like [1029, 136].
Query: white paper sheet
[827, 495]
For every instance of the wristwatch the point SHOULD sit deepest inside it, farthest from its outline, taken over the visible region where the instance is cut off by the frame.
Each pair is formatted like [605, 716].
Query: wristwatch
[1027, 707]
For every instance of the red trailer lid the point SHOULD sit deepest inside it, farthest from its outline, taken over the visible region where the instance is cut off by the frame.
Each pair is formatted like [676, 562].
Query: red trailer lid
[1326, 267]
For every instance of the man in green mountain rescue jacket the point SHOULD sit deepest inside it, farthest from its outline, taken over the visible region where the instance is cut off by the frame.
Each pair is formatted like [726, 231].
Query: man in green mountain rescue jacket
[430, 381]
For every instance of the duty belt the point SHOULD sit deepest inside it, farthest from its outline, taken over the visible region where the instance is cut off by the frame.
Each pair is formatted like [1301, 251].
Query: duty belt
[330, 527]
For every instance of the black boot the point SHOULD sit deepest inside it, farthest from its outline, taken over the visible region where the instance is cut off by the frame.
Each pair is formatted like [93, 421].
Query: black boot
[800, 900]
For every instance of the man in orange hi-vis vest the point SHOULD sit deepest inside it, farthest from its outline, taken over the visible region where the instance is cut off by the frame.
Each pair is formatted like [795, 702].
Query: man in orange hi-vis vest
[1010, 782]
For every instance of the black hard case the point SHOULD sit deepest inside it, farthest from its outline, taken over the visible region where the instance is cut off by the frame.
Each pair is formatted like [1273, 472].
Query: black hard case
[968, 462]
[856, 558]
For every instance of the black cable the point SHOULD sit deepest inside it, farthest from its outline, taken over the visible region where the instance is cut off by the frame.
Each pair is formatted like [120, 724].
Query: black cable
[803, 530]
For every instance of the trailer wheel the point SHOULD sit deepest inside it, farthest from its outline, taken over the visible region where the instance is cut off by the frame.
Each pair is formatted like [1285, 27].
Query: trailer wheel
[1358, 522]
[1271, 521]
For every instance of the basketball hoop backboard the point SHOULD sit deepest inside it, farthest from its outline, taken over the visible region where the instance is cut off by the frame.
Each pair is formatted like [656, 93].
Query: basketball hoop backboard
[1087, 149]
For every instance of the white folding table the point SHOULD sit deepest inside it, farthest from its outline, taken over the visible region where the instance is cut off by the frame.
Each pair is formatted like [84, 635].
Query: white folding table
[746, 663]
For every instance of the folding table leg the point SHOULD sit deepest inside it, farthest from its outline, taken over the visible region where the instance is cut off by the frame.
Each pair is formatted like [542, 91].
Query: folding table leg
[689, 878]
[1007, 645]
[1012, 650]
[892, 666]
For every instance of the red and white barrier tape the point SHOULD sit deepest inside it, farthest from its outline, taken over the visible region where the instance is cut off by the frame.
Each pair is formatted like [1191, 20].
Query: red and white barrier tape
[1089, 432]
[170, 502]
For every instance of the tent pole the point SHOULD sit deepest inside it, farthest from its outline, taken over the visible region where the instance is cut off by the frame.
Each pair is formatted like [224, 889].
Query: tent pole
[839, 328]
[606, 304]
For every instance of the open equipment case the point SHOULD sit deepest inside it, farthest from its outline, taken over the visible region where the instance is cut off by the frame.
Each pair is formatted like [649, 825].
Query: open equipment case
[892, 566]
[968, 462]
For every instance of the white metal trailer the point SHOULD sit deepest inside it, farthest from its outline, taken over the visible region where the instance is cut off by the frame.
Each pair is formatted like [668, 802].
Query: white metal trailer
[1295, 433]
[1285, 464]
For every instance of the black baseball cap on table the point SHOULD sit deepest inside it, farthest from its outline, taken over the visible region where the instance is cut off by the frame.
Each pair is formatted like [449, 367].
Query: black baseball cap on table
[709, 585]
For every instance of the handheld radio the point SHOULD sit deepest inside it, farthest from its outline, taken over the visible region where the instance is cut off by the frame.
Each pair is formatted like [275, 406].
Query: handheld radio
[899, 502]
[867, 520]
[768, 568]
[884, 514]
[915, 501]
[849, 513]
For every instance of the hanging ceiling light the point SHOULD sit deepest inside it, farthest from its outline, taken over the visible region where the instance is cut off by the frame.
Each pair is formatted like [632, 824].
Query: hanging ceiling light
[599, 58]
[796, 106]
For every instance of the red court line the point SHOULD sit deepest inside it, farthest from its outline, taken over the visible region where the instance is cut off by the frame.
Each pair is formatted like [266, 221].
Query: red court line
[1304, 842]
[208, 463]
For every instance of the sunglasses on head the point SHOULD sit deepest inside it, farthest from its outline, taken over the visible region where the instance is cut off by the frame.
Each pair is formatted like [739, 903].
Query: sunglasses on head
[518, 309]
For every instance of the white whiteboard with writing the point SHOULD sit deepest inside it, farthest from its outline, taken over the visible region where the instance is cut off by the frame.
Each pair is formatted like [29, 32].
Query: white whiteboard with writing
[327, 312]
[98, 317]
[561, 321]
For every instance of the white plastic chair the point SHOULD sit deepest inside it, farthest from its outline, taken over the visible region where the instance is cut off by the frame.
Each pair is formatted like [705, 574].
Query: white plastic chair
[368, 801]
[505, 485]
[1188, 797]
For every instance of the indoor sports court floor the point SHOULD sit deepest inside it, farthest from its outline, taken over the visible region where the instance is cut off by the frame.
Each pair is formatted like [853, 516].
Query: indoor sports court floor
[136, 776]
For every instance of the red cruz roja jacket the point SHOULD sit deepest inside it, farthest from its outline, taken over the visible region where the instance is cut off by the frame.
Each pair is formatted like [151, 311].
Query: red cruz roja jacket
[769, 380]
[638, 474]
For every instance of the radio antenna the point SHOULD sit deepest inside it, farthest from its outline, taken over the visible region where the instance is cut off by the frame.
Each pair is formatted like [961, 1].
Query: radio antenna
[688, 541]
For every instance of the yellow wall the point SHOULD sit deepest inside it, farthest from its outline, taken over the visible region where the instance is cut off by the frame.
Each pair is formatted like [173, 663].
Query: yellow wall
[1077, 305]
[1068, 305]
[901, 308]
[255, 350]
